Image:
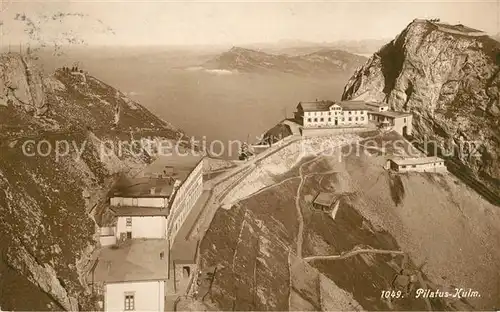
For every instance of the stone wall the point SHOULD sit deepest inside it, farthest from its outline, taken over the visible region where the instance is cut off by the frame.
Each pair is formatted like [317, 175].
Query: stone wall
[308, 132]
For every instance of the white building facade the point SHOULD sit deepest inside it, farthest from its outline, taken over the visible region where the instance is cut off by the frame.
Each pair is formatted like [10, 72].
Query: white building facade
[135, 272]
[135, 296]
[344, 114]
[155, 215]
[329, 114]
[184, 199]
[141, 227]
[419, 164]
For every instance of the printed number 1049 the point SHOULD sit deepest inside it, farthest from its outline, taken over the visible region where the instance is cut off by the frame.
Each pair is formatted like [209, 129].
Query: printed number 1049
[390, 294]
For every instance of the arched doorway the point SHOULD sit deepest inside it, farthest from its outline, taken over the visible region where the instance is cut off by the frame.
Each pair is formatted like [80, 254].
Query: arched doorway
[405, 130]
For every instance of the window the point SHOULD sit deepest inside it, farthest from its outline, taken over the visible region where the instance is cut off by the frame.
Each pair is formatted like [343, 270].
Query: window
[343, 119]
[414, 166]
[129, 235]
[129, 302]
[404, 119]
[309, 119]
[403, 166]
[356, 118]
[129, 221]
[321, 119]
[350, 112]
[350, 118]
[329, 119]
[362, 118]
[315, 119]
[186, 271]
[329, 113]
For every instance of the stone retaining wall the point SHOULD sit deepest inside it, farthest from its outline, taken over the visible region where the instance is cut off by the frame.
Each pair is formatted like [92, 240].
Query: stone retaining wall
[308, 132]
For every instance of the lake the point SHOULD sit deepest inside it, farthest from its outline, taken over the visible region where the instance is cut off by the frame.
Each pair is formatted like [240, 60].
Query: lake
[215, 106]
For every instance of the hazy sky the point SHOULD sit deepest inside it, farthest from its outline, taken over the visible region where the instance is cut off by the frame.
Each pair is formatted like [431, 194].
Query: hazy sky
[232, 22]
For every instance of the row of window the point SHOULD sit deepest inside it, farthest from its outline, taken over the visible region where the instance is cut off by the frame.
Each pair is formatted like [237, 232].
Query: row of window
[404, 166]
[356, 112]
[330, 119]
[415, 166]
[335, 113]
[192, 196]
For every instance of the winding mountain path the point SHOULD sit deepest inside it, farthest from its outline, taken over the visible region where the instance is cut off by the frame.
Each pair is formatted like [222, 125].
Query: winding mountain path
[300, 217]
[355, 251]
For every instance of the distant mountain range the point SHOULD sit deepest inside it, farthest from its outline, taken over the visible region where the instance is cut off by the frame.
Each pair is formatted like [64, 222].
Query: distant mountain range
[324, 61]
[295, 47]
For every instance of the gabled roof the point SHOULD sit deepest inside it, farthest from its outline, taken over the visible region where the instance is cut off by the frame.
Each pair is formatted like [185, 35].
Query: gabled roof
[377, 104]
[315, 106]
[325, 199]
[392, 114]
[417, 160]
[134, 260]
[172, 167]
[354, 105]
[325, 105]
[184, 251]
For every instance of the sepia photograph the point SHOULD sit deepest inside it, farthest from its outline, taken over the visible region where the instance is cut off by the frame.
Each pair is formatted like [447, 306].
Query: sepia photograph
[249, 155]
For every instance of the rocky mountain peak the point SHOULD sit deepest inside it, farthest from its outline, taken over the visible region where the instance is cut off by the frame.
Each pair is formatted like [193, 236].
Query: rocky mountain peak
[448, 77]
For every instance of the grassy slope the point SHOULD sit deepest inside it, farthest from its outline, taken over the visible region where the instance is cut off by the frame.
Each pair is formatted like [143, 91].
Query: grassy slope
[439, 219]
[252, 242]
[43, 211]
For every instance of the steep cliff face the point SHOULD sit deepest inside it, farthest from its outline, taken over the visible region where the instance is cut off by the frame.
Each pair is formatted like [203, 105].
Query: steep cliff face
[21, 84]
[47, 202]
[448, 77]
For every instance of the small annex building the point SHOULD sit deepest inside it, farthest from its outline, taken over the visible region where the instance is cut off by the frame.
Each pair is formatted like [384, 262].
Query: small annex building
[324, 201]
[421, 164]
[155, 203]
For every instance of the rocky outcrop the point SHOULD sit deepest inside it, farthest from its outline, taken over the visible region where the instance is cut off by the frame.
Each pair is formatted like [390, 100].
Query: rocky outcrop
[450, 81]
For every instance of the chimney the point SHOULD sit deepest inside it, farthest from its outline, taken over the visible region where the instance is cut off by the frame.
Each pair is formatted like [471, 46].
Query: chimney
[152, 190]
